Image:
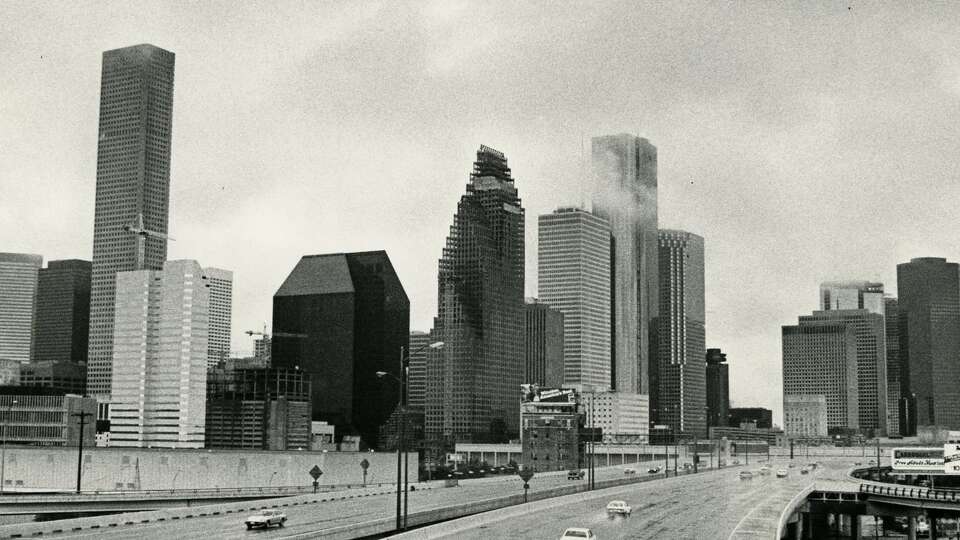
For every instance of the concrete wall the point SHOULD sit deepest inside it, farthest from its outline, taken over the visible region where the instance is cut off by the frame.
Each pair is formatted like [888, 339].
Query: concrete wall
[35, 468]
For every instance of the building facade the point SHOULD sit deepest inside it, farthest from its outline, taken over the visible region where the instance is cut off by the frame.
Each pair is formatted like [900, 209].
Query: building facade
[133, 187]
[718, 389]
[18, 301]
[891, 322]
[542, 344]
[45, 417]
[805, 415]
[840, 295]
[821, 358]
[550, 432]
[69, 377]
[341, 318]
[159, 380]
[63, 312]
[681, 376]
[261, 349]
[871, 385]
[417, 368]
[929, 302]
[617, 413]
[10, 372]
[472, 382]
[221, 308]
[625, 195]
[265, 409]
[573, 272]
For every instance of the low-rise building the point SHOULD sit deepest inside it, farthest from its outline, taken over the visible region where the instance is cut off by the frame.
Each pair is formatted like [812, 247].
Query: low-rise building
[805, 415]
[10, 372]
[550, 430]
[33, 416]
[67, 376]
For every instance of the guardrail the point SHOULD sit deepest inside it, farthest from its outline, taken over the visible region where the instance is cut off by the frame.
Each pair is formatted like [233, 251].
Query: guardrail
[905, 492]
[159, 493]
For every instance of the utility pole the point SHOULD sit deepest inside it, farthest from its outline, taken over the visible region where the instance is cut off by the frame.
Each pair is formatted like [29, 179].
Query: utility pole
[83, 417]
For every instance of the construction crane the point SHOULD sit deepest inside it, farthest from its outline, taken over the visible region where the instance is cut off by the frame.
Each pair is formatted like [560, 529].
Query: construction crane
[136, 227]
[275, 334]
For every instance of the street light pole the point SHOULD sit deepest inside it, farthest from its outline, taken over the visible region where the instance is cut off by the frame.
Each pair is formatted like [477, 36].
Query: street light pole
[400, 441]
[3, 453]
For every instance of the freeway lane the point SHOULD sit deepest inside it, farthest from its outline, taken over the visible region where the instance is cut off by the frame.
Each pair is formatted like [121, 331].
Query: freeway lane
[707, 506]
[309, 518]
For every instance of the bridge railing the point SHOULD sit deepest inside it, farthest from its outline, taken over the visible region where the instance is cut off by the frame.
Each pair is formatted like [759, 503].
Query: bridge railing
[911, 492]
[194, 492]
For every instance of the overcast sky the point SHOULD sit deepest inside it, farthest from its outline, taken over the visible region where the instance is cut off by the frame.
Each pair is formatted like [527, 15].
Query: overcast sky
[804, 144]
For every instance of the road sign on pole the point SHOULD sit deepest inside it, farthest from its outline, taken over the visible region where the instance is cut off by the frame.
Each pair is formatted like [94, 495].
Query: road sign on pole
[525, 474]
[315, 472]
[364, 465]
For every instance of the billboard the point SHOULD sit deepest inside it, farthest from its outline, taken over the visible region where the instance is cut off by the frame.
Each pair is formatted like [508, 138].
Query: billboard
[917, 459]
[951, 458]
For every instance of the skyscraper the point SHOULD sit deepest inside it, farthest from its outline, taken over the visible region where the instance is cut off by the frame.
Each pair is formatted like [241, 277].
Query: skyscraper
[417, 370]
[18, 300]
[473, 382]
[63, 312]
[718, 388]
[543, 344]
[159, 378]
[682, 385]
[852, 295]
[929, 301]
[221, 308]
[133, 187]
[625, 194]
[574, 278]
[871, 383]
[820, 357]
[891, 320]
[341, 318]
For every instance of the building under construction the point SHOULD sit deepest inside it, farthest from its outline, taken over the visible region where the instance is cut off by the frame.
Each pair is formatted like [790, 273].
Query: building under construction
[264, 409]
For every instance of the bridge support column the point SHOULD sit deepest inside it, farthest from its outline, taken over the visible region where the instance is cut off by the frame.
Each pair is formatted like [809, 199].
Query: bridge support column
[854, 525]
[798, 528]
[932, 520]
[912, 528]
[806, 523]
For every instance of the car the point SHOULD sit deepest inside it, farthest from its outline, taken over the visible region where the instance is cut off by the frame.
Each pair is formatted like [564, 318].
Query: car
[578, 533]
[629, 470]
[736, 462]
[653, 470]
[765, 470]
[746, 475]
[687, 466]
[575, 475]
[782, 473]
[792, 465]
[804, 471]
[619, 507]
[266, 518]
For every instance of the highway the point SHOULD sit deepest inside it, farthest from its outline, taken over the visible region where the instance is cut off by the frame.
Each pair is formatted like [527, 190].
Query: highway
[315, 518]
[705, 506]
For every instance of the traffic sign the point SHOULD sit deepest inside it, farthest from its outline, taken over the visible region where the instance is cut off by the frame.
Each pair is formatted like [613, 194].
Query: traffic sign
[364, 464]
[315, 472]
[526, 474]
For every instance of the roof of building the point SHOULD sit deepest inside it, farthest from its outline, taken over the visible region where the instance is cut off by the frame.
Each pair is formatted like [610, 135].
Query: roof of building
[318, 274]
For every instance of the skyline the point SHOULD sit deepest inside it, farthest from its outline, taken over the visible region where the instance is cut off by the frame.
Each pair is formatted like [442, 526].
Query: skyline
[257, 183]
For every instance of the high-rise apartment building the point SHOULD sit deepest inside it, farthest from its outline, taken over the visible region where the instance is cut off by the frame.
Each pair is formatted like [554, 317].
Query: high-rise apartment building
[133, 187]
[871, 384]
[836, 295]
[18, 301]
[221, 307]
[929, 302]
[625, 194]
[542, 344]
[718, 388]
[159, 380]
[821, 358]
[417, 368]
[63, 312]
[574, 278]
[341, 318]
[472, 382]
[681, 376]
[891, 321]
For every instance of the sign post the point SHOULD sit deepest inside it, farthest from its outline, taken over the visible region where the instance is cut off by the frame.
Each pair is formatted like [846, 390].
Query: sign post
[315, 472]
[364, 465]
[525, 474]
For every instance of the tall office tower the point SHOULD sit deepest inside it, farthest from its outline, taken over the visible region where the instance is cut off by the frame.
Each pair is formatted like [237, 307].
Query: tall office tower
[821, 358]
[891, 318]
[261, 349]
[472, 383]
[871, 362]
[221, 308]
[133, 187]
[682, 384]
[852, 295]
[63, 312]
[159, 378]
[18, 301]
[625, 194]
[542, 344]
[341, 318]
[927, 290]
[417, 368]
[718, 388]
[574, 278]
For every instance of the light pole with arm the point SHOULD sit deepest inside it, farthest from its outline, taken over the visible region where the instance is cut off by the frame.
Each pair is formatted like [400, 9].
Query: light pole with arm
[3, 453]
[401, 409]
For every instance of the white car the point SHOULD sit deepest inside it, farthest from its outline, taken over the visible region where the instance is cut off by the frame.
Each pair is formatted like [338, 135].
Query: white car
[782, 473]
[619, 507]
[266, 518]
[629, 470]
[578, 533]
[746, 475]
[765, 470]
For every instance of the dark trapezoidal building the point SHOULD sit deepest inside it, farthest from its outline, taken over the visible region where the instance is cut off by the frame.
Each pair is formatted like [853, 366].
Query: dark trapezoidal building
[341, 318]
[472, 382]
